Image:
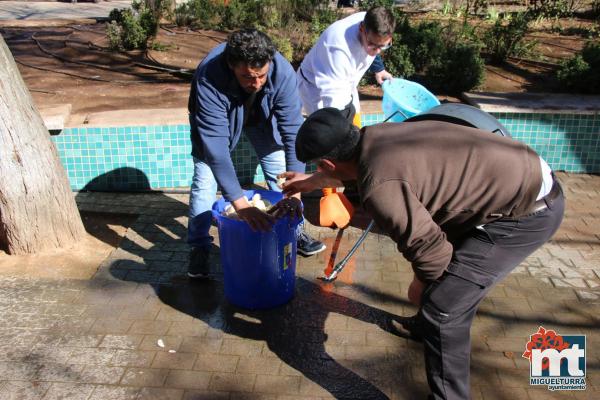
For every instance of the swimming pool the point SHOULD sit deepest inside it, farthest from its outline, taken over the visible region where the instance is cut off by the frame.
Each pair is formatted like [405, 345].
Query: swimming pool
[158, 156]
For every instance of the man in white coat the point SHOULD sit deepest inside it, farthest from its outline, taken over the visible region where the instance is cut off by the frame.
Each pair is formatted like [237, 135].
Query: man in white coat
[330, 72]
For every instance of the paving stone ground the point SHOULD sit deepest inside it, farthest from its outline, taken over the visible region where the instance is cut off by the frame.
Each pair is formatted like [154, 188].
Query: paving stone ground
[140, 330]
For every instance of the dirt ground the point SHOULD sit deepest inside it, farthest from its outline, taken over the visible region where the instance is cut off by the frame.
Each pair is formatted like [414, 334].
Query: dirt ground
[72, 65]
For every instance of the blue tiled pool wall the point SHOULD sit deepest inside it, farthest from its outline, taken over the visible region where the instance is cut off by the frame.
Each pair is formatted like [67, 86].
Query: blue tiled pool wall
[139, 158]
[567, 142]
[154, 157]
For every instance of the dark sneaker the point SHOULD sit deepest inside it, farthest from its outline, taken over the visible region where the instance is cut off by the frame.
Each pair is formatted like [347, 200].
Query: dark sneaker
[308, 246]
[199, 266]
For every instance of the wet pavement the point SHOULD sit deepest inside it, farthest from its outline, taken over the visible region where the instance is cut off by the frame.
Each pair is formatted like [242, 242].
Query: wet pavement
[138, 329]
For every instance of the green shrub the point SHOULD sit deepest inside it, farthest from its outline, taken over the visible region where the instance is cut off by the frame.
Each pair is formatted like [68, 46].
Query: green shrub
[492, 14]
[322, 18]
[150, 12]
[113, 33]
[581, 73]
[284, 46]
[365, 5]
[571, 75]
[461, 69]
[115, 15]
[476, 6]
[237, 14]
[148, 22]
[133, 35]
[591, 54]
[269, 14]
[596, 9]
[157, 46]
[552, 8]
[424, 42]
[206, 13]
[300, 10]
[505, 40]
[126, 32]
[184, 15]
[131, 29]
[445, 57]
[398, 60]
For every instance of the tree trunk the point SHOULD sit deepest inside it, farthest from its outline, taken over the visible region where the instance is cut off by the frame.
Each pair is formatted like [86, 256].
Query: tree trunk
[37, 206]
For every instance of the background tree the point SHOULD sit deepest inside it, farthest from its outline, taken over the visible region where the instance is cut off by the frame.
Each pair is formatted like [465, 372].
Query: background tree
[37, 206]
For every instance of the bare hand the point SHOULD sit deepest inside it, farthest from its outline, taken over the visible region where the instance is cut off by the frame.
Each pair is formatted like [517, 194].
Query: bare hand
[257, 219]
[291, 176]
[295, 182]
[415, 291]
[290, 206]
[382, 76]
[298, 182]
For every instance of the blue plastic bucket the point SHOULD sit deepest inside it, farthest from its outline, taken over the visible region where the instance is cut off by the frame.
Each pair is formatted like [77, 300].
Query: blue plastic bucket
[259, 268]
[406, 99]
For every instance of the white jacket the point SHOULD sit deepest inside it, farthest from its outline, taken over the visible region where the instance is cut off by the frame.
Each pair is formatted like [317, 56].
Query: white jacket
[330, 72]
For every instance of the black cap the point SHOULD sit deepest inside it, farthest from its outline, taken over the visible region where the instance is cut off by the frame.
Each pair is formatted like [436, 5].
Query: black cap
[322, 132]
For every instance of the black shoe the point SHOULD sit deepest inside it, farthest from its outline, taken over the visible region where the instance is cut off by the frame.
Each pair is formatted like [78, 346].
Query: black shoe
[408, 327]
[308, 246]
[199, 267]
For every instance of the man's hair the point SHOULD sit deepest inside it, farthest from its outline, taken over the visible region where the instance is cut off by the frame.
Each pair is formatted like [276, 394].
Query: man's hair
[380, 20]
[326, 133]
[249, 46]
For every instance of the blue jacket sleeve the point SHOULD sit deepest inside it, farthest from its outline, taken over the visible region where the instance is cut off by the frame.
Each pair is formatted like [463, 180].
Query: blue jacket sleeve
[377, 65]
[288, 112]
[212, 124]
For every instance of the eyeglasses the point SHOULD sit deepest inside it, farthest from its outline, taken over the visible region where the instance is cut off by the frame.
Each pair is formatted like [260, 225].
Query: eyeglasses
[375, 46]
[378, 47]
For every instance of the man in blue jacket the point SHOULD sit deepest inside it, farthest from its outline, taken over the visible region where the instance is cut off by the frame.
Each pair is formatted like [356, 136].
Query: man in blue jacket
[242, 86]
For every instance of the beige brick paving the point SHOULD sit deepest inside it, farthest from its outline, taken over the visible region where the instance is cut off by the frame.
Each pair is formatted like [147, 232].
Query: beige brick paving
[140, 330]
[145, 377]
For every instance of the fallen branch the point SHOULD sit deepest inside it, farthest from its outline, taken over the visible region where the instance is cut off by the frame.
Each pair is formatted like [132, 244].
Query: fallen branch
[178, 72]
[195, 33]
[570, 49]
[77, 28]
[540, 64]
[42, 91]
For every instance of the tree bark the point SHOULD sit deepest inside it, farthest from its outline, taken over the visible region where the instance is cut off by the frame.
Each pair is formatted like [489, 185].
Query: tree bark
[37, 207]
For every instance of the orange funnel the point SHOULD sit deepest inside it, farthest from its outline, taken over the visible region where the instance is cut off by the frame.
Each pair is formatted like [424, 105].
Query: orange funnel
[335, 209]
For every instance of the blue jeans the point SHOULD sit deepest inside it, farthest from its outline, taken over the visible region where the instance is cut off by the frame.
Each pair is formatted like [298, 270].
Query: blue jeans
[204, 186]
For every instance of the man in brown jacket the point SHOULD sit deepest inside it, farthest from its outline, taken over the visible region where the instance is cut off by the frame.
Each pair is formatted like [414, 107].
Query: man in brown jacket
[464, 206]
